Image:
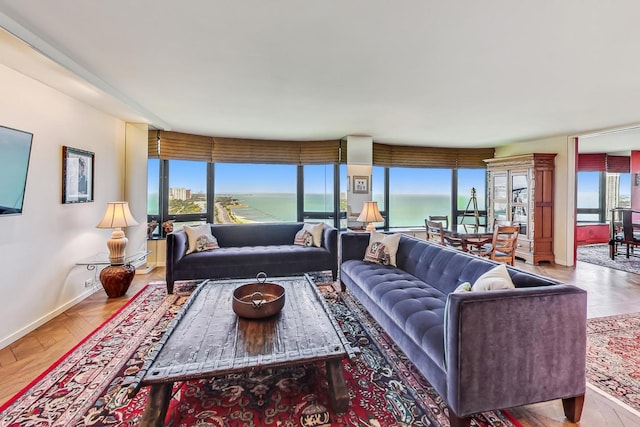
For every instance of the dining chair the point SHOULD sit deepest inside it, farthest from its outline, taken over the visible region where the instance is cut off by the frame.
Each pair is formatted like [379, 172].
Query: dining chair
[485, 244]
[503, 244]
[436, 234]
[440, 218]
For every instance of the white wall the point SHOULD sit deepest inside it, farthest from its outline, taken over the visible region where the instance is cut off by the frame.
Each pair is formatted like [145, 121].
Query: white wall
[564, 196]
[39, 248]
[135, 177]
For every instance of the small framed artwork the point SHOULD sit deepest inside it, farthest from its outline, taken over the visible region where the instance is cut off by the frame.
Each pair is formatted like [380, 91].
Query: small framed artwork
[77, 175]
[361, 184]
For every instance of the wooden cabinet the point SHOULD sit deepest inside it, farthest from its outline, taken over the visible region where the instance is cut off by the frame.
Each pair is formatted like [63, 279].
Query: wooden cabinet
[520, 190]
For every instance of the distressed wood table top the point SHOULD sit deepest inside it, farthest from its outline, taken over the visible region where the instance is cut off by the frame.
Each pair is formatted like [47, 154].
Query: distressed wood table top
[207, 338]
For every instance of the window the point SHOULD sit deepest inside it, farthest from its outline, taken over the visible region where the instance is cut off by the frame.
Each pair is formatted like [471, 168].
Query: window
[189, 192]
[319, 193]
[589, 200]
[153, 198]
[377, 188]
[416, 193]
[618, 192]
[469, 179]
[343, 196]
[255, 193]
[187, 187]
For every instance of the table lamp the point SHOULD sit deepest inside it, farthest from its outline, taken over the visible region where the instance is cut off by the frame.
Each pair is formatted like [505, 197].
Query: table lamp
[117, 217]
[370, 214]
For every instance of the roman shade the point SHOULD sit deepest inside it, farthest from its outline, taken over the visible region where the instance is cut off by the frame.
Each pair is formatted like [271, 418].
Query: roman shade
[153, 149]
[594, 162]
[184, 146]
[167, 145]
[234, 150]
[429, 157]
[618, 164]
[322, 152]
[602, 162]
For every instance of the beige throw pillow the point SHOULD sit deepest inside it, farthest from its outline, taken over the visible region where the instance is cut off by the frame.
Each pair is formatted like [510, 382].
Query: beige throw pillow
[199, 238]
[382, 248]
[303, 238]
[315, 229]
[496, 278]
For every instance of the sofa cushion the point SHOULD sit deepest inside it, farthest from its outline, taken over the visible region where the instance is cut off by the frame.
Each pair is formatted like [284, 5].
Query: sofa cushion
[382, 248]
[199, 238]
[413, 305]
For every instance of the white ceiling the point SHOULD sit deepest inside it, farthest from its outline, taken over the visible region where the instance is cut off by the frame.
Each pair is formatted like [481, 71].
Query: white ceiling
[428, 72]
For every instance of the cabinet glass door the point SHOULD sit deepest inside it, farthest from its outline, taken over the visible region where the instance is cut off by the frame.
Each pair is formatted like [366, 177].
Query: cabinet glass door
[500, 187]
[520, 201]
[500, 197]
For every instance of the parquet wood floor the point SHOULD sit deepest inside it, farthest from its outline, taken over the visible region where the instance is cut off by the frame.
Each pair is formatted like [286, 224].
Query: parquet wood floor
[610, 292]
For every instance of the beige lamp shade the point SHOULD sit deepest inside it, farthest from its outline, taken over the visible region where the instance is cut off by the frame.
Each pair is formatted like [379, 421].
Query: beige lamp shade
[117, 217]
[370, 214]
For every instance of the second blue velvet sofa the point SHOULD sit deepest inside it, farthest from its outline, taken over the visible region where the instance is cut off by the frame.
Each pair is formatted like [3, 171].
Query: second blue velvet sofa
[247, 249]
[482, 350]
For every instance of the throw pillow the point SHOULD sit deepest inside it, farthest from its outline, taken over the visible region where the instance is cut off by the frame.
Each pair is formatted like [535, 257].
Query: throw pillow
[496, 278]
[303, 238]
[463, 287]
[206, 242]
[199, 238]
[382, 248]
[315, 229]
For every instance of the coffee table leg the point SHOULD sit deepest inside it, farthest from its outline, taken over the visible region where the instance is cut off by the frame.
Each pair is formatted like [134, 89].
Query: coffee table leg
[337, 386]
[157, 404]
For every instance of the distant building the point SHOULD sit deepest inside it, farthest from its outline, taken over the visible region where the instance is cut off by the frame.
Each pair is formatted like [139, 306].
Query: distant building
[179, 193]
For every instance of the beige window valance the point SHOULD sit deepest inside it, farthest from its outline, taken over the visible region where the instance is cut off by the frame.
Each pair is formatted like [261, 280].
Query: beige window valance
[181, 146]
[430, 157]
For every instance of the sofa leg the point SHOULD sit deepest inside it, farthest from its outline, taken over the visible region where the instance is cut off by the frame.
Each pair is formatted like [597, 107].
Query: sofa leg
[573, 408]
[169, 288]
[457, 421]
[342, 287]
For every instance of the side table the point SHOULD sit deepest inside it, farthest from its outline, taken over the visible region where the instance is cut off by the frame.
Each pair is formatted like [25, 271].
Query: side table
[115, 279]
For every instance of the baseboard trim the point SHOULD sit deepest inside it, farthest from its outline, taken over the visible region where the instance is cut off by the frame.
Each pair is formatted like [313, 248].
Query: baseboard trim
[44, 319]
[146, 269]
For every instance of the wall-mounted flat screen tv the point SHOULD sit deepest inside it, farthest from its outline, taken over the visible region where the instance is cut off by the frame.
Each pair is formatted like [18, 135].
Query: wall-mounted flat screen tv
[15, 151]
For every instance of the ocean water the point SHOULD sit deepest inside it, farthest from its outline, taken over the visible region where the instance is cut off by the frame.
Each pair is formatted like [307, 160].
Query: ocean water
[406, 210]
[410, 210]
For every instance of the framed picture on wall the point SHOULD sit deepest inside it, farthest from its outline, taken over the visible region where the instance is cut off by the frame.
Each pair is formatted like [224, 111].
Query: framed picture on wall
[361, 184]
[77, 175]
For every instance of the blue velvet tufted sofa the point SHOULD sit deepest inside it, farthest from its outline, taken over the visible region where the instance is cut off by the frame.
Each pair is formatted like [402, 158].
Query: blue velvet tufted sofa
[480, 350]
[247, 249]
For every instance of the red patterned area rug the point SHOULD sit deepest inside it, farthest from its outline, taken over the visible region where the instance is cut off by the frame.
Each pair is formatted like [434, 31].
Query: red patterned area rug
[88, 386]
[613, 358]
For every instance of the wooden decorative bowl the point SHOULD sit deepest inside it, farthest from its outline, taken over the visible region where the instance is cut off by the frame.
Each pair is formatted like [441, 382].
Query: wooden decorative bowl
[258, 300]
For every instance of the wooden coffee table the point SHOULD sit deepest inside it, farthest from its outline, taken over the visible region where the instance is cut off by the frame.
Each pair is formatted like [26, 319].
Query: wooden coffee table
[207, 339]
